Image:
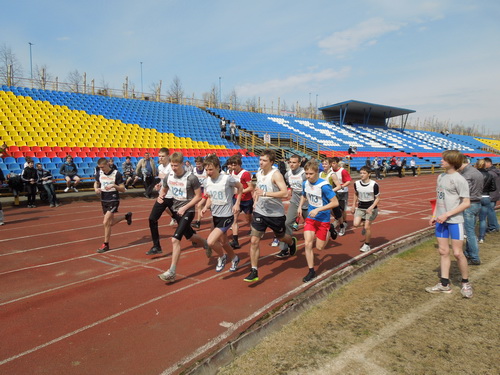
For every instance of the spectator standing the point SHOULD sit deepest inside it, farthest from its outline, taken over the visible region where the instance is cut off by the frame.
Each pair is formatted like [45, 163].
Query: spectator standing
[16, 185]
[129, 175]
[222, 125]
[108, 184]
[413, 167]
[45, 179]
[30, 179]
[232, 131]
[70, 172]
[494, 197]
[448, 219]
[399, 167]
[489, 186]
[376, 167]
[147, 170]
[474, 179]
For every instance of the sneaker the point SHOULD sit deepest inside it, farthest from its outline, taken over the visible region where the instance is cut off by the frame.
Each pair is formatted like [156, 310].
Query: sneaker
[154, 250]
[33, 206]
[310, 276]
[208, 249]
[52, 205]
[293, 247]
[333, 232]
[168, 276]
[172, 222]
[295, 226]
[275, 242]
[196, 225]
[75, 189]
[472, 262]
[66, 190]
[57, 204]
[254, 276]
[342, 229]
[103, 248]
[481, 241]
[2, 223]
[439, 288]
[221, 263]
[128, 217]
[365, 248]
[466, 290]
[234, 263]
[283, 254]
[234, 244]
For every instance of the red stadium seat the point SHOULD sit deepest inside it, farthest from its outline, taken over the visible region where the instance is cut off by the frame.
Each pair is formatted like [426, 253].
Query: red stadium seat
[40, 154]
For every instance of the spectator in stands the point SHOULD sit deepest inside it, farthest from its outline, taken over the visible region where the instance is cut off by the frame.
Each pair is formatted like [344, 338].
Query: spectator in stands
[30, 179]
[452, 200]
[188, 167]
[489, 186]
[413, 167]
[70, 172]
[108, 184]
[45, 179]
[129, 175]
[222, 125]
[303, 161]
[471, 214]
[146, 168]
[232, 131]
[350, 150]
[494, 197]
[393, 164]
[368, 163]
[16, 186]
[27, 159]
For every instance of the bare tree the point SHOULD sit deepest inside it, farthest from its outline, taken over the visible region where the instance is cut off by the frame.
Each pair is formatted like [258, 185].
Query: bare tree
[251, 104]
[211, 98]
[9, 64]
[41, 76]
[232, 99]
[75, 80]
[176, 92]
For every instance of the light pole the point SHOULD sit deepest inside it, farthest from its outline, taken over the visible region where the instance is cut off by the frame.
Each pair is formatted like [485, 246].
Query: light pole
[142, 88]
[31, 61]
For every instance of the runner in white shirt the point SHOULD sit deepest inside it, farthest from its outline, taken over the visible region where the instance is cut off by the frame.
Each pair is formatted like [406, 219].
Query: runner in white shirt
[199, 171]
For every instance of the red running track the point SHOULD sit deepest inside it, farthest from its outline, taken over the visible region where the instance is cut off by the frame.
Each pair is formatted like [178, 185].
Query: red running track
[66, 309]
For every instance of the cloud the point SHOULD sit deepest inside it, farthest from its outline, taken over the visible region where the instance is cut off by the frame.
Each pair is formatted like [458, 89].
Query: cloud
[292, 82]
[63, 38]
[364, 33]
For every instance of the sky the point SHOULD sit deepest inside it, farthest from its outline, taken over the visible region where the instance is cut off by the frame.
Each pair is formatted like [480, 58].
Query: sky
[437, 57]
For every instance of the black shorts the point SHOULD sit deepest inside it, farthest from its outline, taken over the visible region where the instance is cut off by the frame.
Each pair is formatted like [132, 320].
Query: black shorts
[223, 223]
[343, 198]
[338, 211]
[260, 223]
[184, 225]
[245, 206]
[110, 207]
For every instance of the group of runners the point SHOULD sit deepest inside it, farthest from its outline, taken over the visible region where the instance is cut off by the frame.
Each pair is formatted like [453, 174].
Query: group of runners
[319, 196]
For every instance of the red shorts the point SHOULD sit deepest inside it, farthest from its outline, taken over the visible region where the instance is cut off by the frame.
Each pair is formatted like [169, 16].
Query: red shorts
[318, 227]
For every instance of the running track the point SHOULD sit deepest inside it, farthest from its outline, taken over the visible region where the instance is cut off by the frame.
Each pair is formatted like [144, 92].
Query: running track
[66, 309]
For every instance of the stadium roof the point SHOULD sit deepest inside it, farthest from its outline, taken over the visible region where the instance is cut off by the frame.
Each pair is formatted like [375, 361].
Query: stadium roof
[354, 111]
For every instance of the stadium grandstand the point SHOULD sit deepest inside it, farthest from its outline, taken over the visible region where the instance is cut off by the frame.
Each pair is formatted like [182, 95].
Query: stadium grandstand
[48, 125]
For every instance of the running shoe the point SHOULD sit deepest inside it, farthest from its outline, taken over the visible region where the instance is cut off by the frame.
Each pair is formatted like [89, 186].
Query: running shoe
[481, 241]
[66, 190]
[365, 248]
[221, 263]
[234, 263]
[310, 276]
[473, 262]
[128, 217]
[208, 249]
[439, 288]
[293, 247]
[283, 254]
[196, 225]
[234, 244]
[103, 248]
[466, 290]
[295, 226]
[254, 276]
[275, 242]
[2, 223]
[172, 222]
[342, 229]
[333, 232]
[168, 276]
[75, 189]
[154, 250]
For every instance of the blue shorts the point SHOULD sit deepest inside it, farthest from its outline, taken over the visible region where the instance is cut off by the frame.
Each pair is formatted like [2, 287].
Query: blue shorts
[453, 231]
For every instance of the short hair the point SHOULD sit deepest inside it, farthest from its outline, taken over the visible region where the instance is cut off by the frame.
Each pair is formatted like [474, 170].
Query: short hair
[212, 160]
[335, 159]
[270, 154]
[312, 165]
[454, 157]
[37, 164]
[236, 159]
[69, 157]
[164, 150]
[102, 161]
[198, 159]
[177, 157]
[366, 169]
[488, 160]
[480, 164]
[295, 156]
[128, 157]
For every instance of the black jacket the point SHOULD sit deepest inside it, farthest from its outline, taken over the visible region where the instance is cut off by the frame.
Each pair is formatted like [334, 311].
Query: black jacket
[489, 182]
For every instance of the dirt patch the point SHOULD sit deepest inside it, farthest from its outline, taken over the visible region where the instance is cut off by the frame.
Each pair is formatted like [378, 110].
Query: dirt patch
[385, 323]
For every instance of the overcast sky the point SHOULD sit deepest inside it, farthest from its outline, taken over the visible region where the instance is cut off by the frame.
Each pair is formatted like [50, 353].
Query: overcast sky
[438, 57]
